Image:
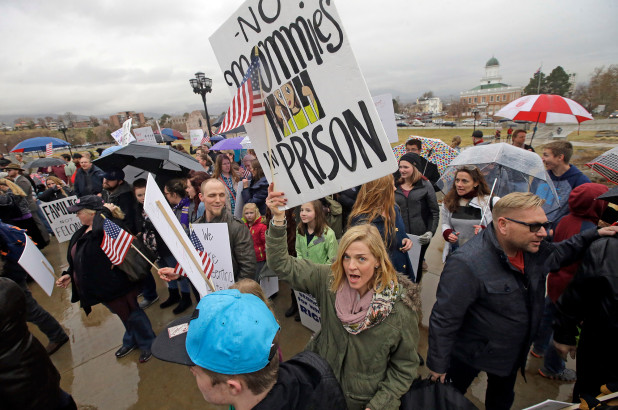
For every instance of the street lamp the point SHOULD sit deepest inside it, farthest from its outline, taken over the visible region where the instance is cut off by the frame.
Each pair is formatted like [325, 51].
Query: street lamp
[63, 129]
[202, 85]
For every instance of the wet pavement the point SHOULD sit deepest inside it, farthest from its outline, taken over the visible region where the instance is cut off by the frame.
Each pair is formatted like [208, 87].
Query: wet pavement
[97, 380]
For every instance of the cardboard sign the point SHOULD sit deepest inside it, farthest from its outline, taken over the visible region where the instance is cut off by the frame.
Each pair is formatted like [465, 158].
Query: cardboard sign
[320, 129]
[174, 235]
[309, 311]
[386, 111]
[37, 266]
[414, 252]
[196, 137]
[63, 223]
[215, 239]
[145, 134]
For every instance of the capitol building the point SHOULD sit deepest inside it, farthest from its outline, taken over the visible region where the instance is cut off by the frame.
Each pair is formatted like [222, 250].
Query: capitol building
[491, 94]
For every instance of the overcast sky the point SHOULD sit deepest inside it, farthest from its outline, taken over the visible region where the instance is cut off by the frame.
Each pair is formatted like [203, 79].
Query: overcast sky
[99, 57]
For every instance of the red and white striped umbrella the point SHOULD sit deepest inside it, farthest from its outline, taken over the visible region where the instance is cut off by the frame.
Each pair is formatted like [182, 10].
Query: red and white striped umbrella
[545, 108]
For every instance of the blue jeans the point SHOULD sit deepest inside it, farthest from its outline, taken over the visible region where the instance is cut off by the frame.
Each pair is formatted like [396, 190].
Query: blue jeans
[138, 330]
[543, 343]
[149, 287]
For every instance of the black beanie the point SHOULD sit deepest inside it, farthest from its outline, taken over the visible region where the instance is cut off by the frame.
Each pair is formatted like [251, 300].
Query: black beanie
[412, 158]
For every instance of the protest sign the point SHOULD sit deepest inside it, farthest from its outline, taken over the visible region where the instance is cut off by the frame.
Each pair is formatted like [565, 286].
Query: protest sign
[62, 222]
[173, 235]
[196, 137]
[145, 134]
[309, 311]
[270, 285]
[125, 136]
[414, 252]
[37, 266]
[215, 239]
[319, 126]
[386, 111]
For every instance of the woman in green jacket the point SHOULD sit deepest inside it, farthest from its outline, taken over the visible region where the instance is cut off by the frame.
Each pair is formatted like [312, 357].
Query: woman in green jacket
[369, 323]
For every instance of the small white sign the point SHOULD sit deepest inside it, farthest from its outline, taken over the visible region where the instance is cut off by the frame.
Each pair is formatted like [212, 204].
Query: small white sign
[196, 137]
[173, 234]
[37, 266]
[386, 112]
[215, 239]
[309, 311]
[126, 137]
[145, 135]
[62, 222]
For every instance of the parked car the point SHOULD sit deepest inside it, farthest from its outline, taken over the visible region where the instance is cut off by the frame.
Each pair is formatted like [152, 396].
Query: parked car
[469, 122]
[417, 123]
[448, 124]
[504, 120]
[486, 122]
[403, 124]
[614, 114]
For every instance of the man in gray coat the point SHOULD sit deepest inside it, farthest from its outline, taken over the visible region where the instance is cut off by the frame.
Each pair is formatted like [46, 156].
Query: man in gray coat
[491, 295]
[214, 194]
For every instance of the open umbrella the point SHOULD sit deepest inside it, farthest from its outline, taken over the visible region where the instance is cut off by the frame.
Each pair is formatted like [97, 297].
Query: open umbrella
[506, 169]
[111, 149]
[172, 133]
[246, 143]
[610, 196]
[216, 138]
[606, 164]
[44, 162]
[163, 138]
[545, 108]
[230, 143]
[157, 159]
[39, 144]
[434, 150]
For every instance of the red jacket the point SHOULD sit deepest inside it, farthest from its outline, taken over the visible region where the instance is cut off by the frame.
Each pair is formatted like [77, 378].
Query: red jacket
[258, 233]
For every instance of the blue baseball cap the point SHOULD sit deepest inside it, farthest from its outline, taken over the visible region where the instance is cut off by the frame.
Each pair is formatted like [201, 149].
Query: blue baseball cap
[229, 333]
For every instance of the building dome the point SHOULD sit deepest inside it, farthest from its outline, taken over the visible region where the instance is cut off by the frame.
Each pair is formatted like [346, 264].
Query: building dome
[492, 62]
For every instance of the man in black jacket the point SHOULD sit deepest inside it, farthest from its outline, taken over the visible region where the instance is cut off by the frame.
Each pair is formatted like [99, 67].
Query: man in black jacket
[491, 295]
[88, 178]
[230, 342]
[119, 192]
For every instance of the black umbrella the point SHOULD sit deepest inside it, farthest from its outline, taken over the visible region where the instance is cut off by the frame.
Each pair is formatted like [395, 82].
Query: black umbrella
[610, 196]
[157, 159]
[164, 138]
[44, 162]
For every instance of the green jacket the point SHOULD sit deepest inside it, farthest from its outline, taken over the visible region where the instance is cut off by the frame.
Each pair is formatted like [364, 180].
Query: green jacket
[321, 249]
[375, 367]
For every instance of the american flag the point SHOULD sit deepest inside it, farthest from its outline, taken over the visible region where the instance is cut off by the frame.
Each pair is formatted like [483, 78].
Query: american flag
[49, 150]
[205, 140]
[246, 173]
[116, 242]
[247, 103]
[205, 261]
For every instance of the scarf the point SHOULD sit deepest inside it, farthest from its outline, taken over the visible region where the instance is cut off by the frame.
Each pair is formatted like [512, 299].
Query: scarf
[361, 313]
[471, 194]
[184, 216]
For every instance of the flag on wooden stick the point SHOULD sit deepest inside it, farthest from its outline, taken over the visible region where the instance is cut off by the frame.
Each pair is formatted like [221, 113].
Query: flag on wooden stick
[116, 242]
[49, 150]
[205, 261]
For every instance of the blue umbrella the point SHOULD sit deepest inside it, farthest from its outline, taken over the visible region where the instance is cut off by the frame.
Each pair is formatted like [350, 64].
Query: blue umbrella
[111, 149]
[38, 144]
[230, 143]
[216, 138]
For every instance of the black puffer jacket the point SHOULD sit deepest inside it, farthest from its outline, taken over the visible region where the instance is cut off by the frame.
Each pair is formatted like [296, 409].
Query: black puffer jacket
[93, 277]
[28, 378]
[124, 199]
[420, 211]
[487, 311]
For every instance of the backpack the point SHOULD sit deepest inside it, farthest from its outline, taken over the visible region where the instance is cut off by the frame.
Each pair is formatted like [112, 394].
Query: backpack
[12, 241]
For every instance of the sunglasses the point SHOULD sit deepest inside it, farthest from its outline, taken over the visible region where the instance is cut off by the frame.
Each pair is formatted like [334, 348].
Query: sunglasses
[534, 227]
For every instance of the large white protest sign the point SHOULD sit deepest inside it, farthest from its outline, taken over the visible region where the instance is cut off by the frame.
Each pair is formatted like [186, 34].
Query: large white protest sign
[145, 134]
[126, 136]
[173, 234]
[215, 239]
[386, 111]
[324, 131]
[37, 266]
[62, 222]
[309, 311]
[117, 135]
[196, 137]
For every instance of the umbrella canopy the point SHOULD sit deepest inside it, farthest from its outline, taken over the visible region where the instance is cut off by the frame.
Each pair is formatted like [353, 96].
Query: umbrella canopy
[246, 143]
[610, 196]
[38, 144]
[434, 150]
[545, 108]
[163, 138]
[216, 138]
[231, 143]
[111, 149]
[506, 169]
[172, 133]
[157, 159]
[44, 162]
[606, 164]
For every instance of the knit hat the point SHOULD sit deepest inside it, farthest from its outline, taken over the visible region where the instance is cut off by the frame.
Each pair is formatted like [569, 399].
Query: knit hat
[412, 158]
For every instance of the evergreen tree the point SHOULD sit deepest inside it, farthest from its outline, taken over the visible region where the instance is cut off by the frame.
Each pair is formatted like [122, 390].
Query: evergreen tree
[558, 82]
[533, 85]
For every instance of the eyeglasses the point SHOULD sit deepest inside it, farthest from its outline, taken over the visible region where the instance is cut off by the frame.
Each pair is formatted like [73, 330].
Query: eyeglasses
[534, 227]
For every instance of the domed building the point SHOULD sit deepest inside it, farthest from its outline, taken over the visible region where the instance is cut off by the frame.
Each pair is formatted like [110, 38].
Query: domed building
[491, 94]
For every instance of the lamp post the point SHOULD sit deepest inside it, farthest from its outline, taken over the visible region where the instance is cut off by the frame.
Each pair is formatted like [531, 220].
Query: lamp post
[202, 85]
[63, 129]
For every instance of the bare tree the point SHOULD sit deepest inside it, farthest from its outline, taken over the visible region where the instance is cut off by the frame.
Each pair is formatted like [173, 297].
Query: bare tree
[70, 118]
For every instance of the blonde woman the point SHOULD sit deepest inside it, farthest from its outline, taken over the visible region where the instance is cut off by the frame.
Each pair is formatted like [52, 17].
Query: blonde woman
[455, 143]
[15, 210]
[55, 190]
[369, 322]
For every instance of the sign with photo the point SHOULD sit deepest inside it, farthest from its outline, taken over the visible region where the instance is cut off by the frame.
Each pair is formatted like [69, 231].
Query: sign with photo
[317, 123]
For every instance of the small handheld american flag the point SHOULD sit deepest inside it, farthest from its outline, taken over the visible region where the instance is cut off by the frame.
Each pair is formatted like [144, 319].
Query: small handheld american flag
[205, 261]
[247, 103]
[49, 150]
[116, 242]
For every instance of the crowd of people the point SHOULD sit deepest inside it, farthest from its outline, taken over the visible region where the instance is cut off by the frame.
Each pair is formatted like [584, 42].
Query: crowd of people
[516, 281]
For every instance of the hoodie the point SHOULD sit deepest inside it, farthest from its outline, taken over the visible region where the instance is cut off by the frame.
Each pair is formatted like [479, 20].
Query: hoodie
[584, 213]
[564, 184]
